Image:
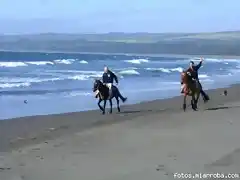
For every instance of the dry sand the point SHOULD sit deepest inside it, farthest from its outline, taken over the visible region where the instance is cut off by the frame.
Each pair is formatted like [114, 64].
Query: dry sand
[147, 141]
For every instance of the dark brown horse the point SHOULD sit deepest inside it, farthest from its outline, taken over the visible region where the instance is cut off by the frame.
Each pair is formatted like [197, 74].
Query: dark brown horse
[102, 92]
[190, 87]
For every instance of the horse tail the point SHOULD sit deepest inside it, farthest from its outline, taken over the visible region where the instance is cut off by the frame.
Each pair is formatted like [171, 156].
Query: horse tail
[120, 95]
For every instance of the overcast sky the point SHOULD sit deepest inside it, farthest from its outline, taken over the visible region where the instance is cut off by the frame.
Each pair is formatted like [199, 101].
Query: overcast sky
[79, 16]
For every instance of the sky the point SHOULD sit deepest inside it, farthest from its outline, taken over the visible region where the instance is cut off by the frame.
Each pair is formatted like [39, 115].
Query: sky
[101, 16]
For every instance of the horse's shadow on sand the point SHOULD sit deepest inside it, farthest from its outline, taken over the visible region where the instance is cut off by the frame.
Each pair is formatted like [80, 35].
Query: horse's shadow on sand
[141, 111]
[161, 110]
[126, 112]
[221, 107]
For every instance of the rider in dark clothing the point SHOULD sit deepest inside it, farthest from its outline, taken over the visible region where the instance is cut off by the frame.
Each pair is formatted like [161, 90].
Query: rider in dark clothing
[194, 72]
[108, 77]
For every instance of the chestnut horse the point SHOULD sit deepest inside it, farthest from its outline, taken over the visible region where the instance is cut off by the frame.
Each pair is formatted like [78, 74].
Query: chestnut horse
[190, 87]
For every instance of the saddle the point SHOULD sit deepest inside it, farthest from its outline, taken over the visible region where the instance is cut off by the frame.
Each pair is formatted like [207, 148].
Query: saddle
[99, 95]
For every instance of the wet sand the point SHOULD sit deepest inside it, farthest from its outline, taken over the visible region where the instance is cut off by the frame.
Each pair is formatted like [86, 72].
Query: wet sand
[150, 140]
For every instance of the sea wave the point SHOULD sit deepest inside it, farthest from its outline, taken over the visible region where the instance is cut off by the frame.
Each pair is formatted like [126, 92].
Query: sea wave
[127, 68]
[12, 64]
[7, 82]
[129, 72]
[83, 62]
[14, 85]
[26, 80]
[38, 63]
[137, 61]
[215, 60]
[77, 93]
[64, 61]
[165, 70]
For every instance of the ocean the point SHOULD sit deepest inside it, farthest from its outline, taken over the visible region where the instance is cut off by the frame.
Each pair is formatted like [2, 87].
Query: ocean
[62, 82]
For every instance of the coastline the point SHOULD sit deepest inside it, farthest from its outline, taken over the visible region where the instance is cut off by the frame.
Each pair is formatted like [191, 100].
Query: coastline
[18, 132]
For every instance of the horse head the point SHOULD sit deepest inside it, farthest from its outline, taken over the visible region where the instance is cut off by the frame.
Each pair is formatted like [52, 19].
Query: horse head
[183, 76]
[186, 77]
[96, 84]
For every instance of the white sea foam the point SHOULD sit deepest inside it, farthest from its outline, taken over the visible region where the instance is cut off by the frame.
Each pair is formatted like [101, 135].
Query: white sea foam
[12, 64]
[27, 80]
[38, 63]
[127, 68]
[78, 77]
[137, 61]
[13, 85]
[6, 82]
[64, 61]
[129, 72]
[76, 93]
[166, 70]
[83, 62]
[216, 60]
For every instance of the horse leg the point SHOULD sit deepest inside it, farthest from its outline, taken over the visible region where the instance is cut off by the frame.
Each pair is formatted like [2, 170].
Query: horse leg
[99, 104]
[184, 103]
[104, 106]
[110, 102]
[197, 98]
[193, 102]
[118, 107]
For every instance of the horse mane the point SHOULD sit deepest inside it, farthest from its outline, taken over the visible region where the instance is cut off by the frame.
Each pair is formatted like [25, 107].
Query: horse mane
[184, 78]
[98, 80]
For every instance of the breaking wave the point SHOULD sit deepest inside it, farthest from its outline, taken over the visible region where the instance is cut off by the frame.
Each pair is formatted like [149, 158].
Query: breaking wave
[11, 64]
[216, 60]
[6, 82]
[137, 61]
[165, 70]
[64, 61]
[83, 62]
[129, 72]
[14, 85]
[38, 63]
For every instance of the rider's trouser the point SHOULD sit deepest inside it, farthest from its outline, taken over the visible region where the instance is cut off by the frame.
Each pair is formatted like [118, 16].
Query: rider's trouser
[109, 85]
[204, 95]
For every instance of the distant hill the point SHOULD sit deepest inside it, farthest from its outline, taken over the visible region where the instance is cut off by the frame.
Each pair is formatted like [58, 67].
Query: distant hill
[217, 43]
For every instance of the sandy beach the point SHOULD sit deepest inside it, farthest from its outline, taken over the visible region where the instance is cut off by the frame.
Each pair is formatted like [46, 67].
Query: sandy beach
[150, 140]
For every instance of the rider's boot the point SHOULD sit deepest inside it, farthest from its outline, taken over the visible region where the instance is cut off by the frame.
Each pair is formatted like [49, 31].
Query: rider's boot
[205, 96]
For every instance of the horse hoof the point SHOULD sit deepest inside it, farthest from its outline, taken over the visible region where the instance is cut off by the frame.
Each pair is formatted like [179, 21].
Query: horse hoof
[103, 113]
[195, 108]
[110, 112]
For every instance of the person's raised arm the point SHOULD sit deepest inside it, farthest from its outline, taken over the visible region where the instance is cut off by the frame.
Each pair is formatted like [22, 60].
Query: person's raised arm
[199, 65]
